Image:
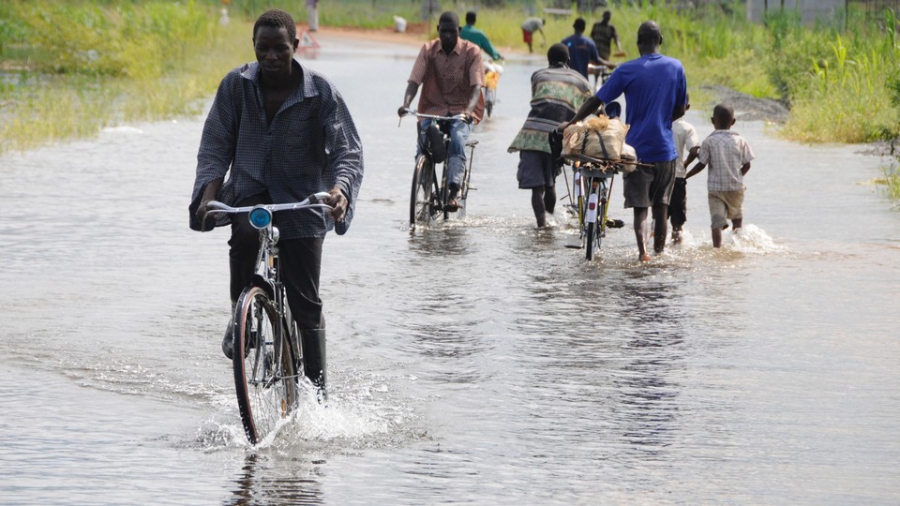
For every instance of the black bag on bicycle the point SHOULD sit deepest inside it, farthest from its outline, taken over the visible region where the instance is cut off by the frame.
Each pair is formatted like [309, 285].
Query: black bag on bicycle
[433, 143]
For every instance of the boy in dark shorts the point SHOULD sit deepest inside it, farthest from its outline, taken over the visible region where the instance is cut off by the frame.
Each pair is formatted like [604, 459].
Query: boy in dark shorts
[728, 156]
[685, 140]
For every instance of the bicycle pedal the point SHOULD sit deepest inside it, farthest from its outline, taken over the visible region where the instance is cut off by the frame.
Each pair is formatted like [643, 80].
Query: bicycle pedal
[472, 187]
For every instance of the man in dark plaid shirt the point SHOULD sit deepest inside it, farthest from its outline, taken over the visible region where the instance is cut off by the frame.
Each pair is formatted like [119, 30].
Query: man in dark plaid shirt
[283, 132]
[451, 74]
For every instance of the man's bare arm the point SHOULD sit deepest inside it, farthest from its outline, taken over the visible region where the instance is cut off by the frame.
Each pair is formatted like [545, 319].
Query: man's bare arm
[745, 169]
[411, 90]
[692, 155]
[588, 108]
[473, 100]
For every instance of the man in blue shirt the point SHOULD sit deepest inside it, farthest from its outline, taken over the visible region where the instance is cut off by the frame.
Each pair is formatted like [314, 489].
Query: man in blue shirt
[582, 50]
[655, 91]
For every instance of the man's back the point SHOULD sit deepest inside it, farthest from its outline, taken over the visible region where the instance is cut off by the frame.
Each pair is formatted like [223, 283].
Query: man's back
[581, 52]
[653, 85]
[478, 37]
[602, 35]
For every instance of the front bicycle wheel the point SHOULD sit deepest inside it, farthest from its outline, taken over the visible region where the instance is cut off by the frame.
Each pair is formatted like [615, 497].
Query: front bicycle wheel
[422, 198]
[265, 377]
[592, 232]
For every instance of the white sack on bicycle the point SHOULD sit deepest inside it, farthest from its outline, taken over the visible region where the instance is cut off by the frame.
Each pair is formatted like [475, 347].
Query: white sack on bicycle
[598, 137]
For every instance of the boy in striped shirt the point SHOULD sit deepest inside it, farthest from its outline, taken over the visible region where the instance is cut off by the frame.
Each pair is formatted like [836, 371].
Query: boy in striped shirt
[728, 156]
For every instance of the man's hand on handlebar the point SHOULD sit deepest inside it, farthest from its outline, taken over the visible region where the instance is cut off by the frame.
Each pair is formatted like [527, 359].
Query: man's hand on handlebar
[338, 202]
[403, 110]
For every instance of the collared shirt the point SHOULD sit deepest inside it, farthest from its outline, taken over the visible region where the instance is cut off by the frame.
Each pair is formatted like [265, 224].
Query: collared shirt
[653, 84]
[724, 152]
[447, 79]
[603, 35]
[477, 37]
[582, 51]
[685, 140]
[556, 95]
[311, 145]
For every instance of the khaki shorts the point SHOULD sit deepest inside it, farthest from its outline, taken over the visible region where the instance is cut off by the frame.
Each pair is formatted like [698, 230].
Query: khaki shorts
[724, 206]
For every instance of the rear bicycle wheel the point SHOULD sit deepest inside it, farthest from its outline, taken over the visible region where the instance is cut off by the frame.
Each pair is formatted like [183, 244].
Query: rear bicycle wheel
[422, 199]
[265, 376]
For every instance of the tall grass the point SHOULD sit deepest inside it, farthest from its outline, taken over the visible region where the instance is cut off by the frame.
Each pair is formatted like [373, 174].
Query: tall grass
[71, 68]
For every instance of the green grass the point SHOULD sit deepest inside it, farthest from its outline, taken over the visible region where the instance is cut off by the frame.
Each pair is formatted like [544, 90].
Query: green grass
[891, 181]
[69, 69]
[87, 64]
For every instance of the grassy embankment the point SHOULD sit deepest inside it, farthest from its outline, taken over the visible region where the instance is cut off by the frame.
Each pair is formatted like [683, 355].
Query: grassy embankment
[842, 80]
[70, 68]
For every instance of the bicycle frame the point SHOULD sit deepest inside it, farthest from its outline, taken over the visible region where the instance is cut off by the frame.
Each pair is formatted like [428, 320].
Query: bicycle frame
[267, 274]
[436, 191]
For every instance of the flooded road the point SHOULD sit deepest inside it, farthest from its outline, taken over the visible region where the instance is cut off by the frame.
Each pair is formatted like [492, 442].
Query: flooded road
[474, 362]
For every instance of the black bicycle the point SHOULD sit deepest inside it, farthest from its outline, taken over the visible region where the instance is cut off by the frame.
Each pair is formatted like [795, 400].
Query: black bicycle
[268, 351]
[429, 195]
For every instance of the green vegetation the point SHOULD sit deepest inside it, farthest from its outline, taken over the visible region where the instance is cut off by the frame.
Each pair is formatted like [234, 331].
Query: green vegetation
[891, 181]
[69, 68]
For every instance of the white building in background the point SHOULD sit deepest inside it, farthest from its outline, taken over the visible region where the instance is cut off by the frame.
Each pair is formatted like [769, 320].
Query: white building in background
[810, 9]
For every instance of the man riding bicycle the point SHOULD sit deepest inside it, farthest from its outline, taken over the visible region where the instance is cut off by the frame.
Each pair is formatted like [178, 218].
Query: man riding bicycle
[281, 132]
[451, 74]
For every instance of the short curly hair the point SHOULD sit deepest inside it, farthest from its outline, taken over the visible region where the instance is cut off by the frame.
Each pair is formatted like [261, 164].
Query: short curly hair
[276, 19]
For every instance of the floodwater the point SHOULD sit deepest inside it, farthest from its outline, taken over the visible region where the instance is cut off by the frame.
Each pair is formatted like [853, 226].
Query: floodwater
[474, 362]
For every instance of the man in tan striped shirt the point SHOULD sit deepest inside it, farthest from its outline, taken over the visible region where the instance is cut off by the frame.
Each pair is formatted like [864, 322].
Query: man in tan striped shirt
[451, 74]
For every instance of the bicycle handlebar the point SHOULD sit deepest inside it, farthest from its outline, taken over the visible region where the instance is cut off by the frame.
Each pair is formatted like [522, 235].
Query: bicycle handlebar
[314, 201]
[432, 116]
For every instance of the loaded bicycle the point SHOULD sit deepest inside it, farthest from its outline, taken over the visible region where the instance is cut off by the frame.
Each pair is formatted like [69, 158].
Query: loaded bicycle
[429, 195]
[589, 194]
[268, 352]
[492, 73]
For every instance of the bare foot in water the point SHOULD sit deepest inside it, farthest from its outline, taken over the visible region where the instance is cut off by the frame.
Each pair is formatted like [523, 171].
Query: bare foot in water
[645, 257]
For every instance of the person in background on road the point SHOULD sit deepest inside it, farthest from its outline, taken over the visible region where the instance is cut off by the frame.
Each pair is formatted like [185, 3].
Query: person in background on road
[582, 50]
[556, 94]
[655, 91]
[529, 26]
[477, 37]
[603, 34]
[281, 132]
[451, 73]
[728, 156]
[312, 13]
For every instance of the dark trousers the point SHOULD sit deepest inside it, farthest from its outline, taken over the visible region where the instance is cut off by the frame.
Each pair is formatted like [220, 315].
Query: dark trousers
[301, 264]
[678, 203]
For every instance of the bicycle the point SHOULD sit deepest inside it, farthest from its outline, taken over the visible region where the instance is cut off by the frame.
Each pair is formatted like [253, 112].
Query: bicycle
[268, 351]
[592, 182]
[492, 73]
[601, 74]
[428, 195]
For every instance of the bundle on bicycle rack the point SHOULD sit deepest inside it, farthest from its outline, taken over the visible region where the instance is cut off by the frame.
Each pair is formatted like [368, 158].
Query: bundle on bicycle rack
[597, 137]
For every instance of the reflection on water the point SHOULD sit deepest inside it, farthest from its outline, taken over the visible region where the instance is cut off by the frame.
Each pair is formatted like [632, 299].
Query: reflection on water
[262, 481]
[477, 361]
